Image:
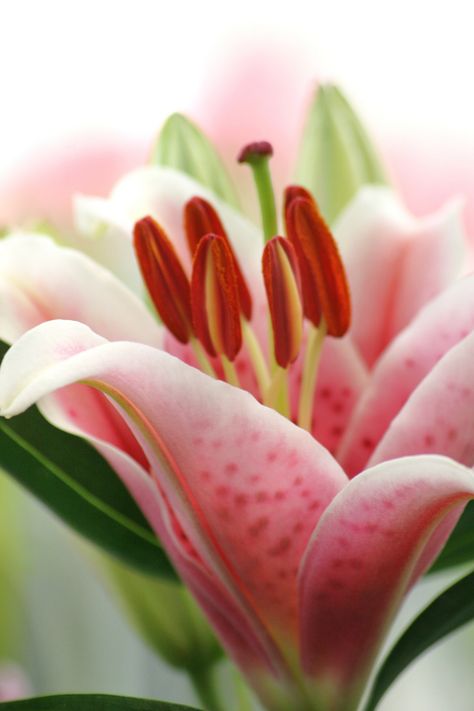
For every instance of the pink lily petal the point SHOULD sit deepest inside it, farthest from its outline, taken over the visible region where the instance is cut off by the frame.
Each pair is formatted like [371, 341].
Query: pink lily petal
[395, 263]
[438, 327]
[342, 377]
[85, 412]
[193, 430]
[362, 557]
[439, 416]
[40, 280]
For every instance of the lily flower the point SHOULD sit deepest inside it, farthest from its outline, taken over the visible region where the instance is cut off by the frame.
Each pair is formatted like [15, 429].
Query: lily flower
[357, 441]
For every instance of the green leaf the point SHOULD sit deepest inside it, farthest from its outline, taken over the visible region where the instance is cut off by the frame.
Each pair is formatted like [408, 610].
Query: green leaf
[182, 145]
[91, 702]
[78, 485]
[336, 155]
[452, 609]
[460, 547]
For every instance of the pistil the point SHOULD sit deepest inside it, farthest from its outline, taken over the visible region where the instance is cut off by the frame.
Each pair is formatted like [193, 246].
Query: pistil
[257, 156]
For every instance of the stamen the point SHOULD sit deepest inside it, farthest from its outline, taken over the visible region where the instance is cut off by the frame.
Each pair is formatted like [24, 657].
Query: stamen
[257, 155]
[281, 277]
[312, 356]
[308, 230]
[164, 277]
[201, 219]
[215, 299]
[311, 304]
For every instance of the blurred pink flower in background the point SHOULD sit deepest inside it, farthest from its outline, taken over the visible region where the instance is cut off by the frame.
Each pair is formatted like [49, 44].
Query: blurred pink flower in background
[257, 92]
[42, 188]
[13, 683]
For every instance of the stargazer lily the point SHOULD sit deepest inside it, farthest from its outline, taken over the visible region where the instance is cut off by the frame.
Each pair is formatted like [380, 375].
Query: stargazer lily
[301, 512]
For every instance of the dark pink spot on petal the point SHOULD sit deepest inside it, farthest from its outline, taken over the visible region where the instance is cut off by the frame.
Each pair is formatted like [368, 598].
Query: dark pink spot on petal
[260, 525]
[222, 490]
[281, 547]
[231, 468]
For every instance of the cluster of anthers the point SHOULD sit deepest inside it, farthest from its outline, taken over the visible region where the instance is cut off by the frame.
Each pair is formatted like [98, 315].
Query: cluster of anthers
[303, 275]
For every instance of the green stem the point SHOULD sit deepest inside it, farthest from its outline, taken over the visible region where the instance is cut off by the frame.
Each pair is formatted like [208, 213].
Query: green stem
[205, 688]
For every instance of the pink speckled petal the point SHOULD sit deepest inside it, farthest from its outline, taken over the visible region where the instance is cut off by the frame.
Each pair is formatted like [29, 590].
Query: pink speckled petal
[75, 409]
[364, 554]
[439, 416]
[40, 280]
[249, 518]
[342, 377]
[395, 263]
[438, 327]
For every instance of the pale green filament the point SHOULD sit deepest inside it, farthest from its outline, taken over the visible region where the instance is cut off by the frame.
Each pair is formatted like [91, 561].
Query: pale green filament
[202, 358]
[230, 372]
[277, 393]
[256, 356]
[310, 372]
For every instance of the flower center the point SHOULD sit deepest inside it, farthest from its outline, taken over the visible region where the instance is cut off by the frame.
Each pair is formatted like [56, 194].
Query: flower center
[211, 310]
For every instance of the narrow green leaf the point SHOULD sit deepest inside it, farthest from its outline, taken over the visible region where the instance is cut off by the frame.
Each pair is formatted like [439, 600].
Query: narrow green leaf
[452, 609]
[460, 547]
[182, 145]
[78, 485]
[91, 702]
[336, 155]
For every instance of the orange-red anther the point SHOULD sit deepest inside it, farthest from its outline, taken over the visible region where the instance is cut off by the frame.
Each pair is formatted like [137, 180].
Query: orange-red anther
[164, 277]
[311, 303]
[200, 219]
[281, 277]
[215, 299]
[308, 231]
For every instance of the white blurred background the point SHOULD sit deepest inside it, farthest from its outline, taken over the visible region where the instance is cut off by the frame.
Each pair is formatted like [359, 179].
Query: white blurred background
[112, 71]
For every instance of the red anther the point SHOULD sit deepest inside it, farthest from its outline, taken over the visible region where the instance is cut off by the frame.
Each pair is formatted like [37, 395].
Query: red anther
[164, 277]
[294, 191]
[200, 219]
[326, 269]
[281, 277]
[215, 299]
[311, 303]
[255, 151]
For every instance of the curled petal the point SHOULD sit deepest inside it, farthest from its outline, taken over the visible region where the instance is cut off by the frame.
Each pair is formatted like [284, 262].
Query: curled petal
[249, 521]
[364, 554]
